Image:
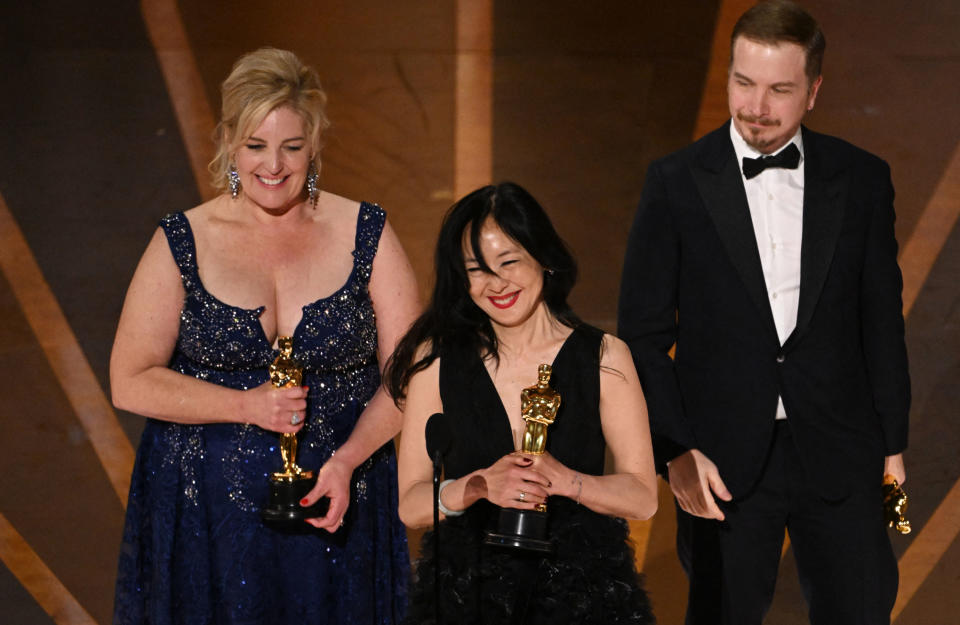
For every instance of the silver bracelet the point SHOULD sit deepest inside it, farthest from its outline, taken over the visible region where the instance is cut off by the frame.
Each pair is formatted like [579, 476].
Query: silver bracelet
[445, 510]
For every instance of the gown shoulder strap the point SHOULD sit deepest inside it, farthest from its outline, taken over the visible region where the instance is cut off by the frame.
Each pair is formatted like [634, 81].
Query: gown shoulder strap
[179, 235]
[370, 222]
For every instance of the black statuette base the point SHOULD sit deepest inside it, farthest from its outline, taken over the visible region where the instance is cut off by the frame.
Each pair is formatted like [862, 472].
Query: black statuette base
[284, 510]
[521, 529]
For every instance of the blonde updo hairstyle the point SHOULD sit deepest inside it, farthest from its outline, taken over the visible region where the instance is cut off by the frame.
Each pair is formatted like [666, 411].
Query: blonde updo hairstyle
[260, 82]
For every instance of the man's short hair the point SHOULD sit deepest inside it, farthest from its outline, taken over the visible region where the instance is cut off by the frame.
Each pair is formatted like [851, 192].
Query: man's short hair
[778, 21]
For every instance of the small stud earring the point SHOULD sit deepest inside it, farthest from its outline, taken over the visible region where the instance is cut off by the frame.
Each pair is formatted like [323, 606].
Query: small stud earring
[233, 181]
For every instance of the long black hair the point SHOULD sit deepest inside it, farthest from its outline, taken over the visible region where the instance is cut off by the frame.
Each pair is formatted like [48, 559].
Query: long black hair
[452, 320]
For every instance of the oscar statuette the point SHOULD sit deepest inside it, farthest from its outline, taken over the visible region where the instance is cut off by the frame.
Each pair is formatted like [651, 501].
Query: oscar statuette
[291, 484]
[527, 529]
[895, 505]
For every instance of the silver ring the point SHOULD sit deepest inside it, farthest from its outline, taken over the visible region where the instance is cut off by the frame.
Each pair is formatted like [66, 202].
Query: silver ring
[523, 495]
[295, 419]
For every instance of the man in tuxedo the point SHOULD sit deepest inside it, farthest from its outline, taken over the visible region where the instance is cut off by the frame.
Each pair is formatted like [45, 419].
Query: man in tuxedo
[765, 254]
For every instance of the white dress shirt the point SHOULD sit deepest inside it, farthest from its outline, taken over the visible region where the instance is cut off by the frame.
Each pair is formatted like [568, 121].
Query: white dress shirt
[775, 197]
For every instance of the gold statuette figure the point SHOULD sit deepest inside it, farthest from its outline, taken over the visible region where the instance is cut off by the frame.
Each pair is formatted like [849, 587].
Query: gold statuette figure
[895, 505]
[284, 373]
[538, 406]
[288, 487]
[527, 529]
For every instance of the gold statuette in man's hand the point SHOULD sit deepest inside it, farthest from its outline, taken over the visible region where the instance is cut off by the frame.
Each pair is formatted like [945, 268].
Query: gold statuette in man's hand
[895, 504]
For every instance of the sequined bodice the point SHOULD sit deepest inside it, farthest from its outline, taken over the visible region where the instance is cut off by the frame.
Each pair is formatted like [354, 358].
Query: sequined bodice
[336, 333]
[335, 341]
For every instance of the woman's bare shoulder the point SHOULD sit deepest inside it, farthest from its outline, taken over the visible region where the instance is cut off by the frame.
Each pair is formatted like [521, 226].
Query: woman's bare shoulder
[616, 357]
[339, 208]
[211, 213]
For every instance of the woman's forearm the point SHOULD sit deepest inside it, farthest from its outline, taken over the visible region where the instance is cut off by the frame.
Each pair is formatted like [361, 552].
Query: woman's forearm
[619, 494]
[161, 393]
[379, 422]
[416, 504]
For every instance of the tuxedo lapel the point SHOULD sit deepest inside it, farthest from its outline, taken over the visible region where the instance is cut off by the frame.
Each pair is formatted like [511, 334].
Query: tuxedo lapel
[824, 190]
[720, 186]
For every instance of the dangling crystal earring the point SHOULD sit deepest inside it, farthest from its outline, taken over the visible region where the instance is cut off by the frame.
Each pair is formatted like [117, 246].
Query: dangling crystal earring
[312, 176]
[233, 180]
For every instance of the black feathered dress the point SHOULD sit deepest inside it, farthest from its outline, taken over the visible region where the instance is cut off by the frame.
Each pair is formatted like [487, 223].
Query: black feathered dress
[591, 577]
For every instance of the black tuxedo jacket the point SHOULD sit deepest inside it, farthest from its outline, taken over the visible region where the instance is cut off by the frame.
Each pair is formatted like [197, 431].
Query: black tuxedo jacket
[692, 277]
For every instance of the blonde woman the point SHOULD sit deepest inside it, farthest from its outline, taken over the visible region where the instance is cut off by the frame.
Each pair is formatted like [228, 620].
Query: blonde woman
[272, 256]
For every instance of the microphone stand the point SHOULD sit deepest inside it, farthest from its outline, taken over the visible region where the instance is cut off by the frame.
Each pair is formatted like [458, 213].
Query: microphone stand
[437, 468]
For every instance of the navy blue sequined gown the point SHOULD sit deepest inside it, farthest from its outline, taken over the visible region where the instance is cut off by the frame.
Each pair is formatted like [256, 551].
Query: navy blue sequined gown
[194, 549]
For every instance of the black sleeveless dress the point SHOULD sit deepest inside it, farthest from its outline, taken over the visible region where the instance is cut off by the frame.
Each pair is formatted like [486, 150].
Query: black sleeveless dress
[591, 577]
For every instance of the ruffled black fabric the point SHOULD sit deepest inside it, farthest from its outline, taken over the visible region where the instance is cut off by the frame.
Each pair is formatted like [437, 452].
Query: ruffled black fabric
[590, 578]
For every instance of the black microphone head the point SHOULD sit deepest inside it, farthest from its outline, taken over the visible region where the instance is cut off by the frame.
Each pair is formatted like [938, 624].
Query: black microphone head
[439, 434]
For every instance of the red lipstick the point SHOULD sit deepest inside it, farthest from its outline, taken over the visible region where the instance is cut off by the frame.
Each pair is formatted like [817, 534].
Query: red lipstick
[505, 301]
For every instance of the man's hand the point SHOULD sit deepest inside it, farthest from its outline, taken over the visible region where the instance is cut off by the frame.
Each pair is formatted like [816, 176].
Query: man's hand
[694, 480]
[893, 465]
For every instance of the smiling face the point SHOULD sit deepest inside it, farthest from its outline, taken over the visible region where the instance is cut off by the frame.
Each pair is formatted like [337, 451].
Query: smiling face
[273, 161]
[768, 92]
[514, 292]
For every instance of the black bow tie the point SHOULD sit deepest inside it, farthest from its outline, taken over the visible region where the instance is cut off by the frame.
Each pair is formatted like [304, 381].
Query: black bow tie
[787, 158]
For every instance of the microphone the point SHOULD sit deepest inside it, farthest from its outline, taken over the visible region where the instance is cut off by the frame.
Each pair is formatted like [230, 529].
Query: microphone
[439, 435]
[439, 438]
